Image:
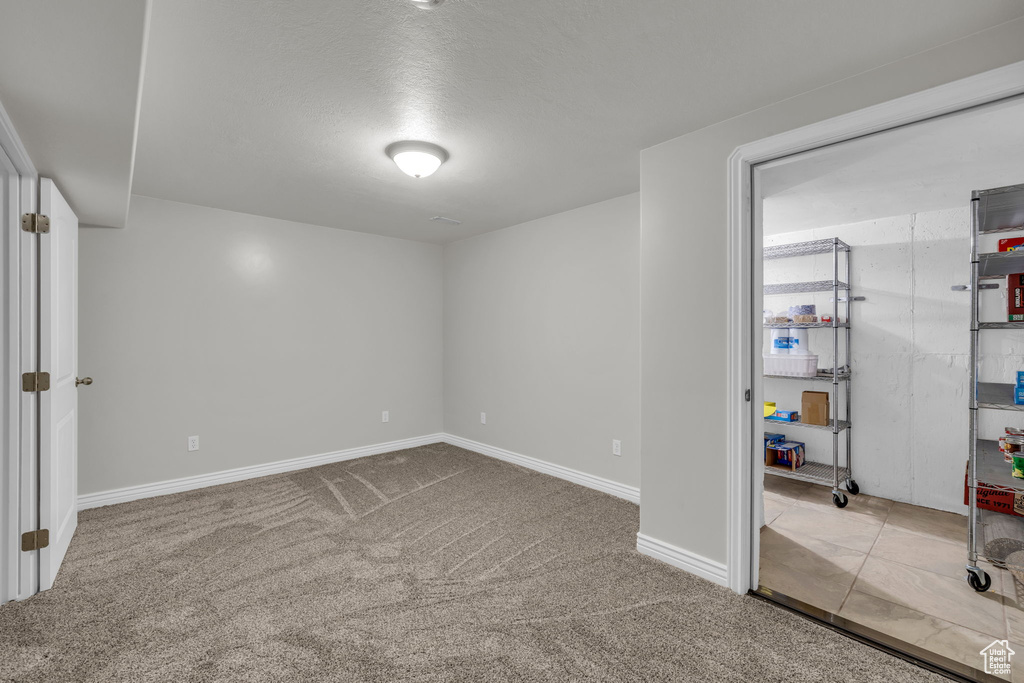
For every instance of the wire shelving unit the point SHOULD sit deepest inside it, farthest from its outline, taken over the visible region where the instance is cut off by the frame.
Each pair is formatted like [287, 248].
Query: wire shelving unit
[992, 211]
[838, 375]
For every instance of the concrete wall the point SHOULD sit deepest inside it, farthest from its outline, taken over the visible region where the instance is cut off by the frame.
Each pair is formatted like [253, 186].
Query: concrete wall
[910, 353]
[542, 332]
[270, 340]
[683, 282]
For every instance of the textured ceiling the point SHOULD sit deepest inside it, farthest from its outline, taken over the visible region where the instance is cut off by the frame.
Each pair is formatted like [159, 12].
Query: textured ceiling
[923, 167]
[284, 108]
[69, 79]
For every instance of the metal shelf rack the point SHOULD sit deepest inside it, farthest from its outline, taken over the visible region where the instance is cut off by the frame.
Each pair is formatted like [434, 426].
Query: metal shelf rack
[832, 426]
[822, 376]
[814, 472]
[838, 374]
[992, 211]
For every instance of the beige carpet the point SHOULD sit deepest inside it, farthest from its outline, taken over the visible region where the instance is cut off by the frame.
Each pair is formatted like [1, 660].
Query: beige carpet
[431, 564]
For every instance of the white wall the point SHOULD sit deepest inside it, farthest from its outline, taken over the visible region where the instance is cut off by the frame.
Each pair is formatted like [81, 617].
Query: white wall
[269, 339]
[541, 332]
[683, 266]
[910, 353]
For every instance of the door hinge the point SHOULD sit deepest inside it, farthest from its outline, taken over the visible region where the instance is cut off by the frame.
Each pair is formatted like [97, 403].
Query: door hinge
[746, 395]
[35, 381]
[35, 540]
[35, 223]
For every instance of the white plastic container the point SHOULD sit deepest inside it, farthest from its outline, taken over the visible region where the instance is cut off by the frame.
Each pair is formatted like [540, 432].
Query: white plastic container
[781, 343]
[798, 341]
[791, 365]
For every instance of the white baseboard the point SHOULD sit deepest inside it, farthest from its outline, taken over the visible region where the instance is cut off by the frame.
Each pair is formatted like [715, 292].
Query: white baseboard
[162, 488]
[630, 493]
[714, 572]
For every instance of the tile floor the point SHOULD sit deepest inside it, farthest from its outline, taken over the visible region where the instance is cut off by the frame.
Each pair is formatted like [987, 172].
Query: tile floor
[892, 567]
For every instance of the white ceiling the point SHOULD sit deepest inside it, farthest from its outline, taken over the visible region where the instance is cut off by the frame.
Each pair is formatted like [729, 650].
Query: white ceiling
[69, 80]
[924, 167]
[283, 109]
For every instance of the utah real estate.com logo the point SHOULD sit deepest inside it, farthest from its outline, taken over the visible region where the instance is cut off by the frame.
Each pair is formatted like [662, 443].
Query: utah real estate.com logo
[997, 658]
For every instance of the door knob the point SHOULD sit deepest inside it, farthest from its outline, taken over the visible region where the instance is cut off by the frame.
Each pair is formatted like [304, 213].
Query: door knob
[83, 380]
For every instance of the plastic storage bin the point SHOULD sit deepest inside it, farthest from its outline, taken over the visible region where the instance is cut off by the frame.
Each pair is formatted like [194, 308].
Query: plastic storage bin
[791, 366]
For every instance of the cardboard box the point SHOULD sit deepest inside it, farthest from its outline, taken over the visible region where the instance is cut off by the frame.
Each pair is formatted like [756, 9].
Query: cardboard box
[1011, 244]
[1018, 395]
[787, 455]
[771, 440]
[784, 416]
[996, 500]
[814, 408]
[1020, 378]
[1015, 297]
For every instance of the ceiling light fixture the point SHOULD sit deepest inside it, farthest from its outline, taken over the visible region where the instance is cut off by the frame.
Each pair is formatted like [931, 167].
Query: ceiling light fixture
[426, 4]
[418, 159]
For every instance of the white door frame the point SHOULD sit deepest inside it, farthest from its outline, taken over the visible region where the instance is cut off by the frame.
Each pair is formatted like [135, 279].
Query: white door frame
[19, 572]
[745, 276]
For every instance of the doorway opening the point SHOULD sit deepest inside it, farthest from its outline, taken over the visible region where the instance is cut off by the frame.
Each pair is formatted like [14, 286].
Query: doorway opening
[860, 266]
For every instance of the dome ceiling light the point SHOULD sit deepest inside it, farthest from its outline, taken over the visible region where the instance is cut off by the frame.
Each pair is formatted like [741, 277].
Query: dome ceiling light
[415, 158]
[427, 4]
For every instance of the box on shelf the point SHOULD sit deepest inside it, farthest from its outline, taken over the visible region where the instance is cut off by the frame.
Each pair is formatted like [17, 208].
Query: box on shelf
[788, 455]
[995, 499]
[814, 408]
[1011, 244]
[785, 416]
[1020, 378]
[1015, 297]
[791, 365]
[1018, 395]
[771, 440]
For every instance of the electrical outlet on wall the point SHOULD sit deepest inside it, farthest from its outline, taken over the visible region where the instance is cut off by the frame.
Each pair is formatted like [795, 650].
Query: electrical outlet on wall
[193, 443]
[385, 416]
[616, 447]
[483, 418]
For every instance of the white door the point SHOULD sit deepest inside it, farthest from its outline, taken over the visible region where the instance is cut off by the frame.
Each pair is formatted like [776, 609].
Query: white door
[10, 472]
[58, 355]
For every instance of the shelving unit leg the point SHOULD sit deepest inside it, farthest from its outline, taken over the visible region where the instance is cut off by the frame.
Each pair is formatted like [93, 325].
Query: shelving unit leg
[838, 497]
[976, 577]
[851, 485]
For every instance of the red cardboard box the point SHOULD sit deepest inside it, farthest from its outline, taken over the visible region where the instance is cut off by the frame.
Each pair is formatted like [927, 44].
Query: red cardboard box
[996, 500]
[1011, 244]
[1015, 297]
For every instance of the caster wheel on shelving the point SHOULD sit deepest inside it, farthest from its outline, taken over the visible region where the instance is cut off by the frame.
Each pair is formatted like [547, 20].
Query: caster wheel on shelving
[979, 584]
[852, 487]
[840, 500]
